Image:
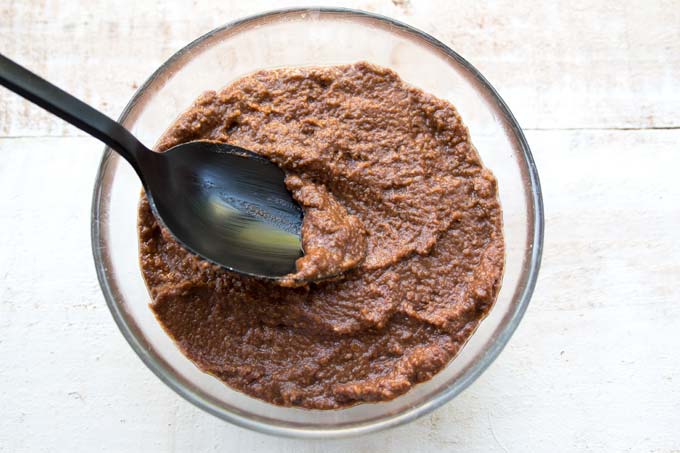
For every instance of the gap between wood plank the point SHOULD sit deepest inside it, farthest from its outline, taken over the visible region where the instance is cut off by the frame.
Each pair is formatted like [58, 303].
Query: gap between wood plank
[631, 128]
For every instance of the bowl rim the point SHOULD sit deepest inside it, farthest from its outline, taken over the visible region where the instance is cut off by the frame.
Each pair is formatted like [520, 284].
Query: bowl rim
[470, 375]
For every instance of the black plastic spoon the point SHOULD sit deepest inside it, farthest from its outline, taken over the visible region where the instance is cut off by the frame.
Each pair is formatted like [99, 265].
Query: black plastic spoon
[222, 202]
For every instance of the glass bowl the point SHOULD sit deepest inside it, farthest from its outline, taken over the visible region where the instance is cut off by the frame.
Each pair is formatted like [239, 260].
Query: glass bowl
[300, 37]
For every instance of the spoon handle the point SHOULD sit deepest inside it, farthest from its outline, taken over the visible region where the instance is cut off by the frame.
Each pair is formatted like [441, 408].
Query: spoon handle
[39, 91]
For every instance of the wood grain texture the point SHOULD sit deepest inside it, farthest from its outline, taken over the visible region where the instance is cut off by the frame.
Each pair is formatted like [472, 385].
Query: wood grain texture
[594, 364]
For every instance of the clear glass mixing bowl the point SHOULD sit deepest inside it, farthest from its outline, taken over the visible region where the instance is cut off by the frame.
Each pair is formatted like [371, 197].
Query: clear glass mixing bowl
[316, 37]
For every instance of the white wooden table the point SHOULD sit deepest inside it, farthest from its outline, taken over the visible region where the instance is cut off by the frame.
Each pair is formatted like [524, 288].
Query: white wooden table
[595, 365]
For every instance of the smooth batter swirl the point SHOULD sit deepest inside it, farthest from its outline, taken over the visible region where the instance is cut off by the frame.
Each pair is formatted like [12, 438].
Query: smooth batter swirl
[395, 198]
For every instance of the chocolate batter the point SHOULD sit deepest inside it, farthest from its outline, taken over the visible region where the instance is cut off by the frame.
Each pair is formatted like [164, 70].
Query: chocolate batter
[396, 200]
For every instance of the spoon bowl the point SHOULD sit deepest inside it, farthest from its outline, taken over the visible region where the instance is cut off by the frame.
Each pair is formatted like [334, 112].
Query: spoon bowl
[228, 205]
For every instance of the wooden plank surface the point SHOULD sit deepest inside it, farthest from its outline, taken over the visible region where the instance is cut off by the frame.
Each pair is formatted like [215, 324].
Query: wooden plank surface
[594, 364]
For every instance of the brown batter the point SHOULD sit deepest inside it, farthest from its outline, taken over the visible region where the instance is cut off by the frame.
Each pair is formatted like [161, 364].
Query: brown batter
[394, 195]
